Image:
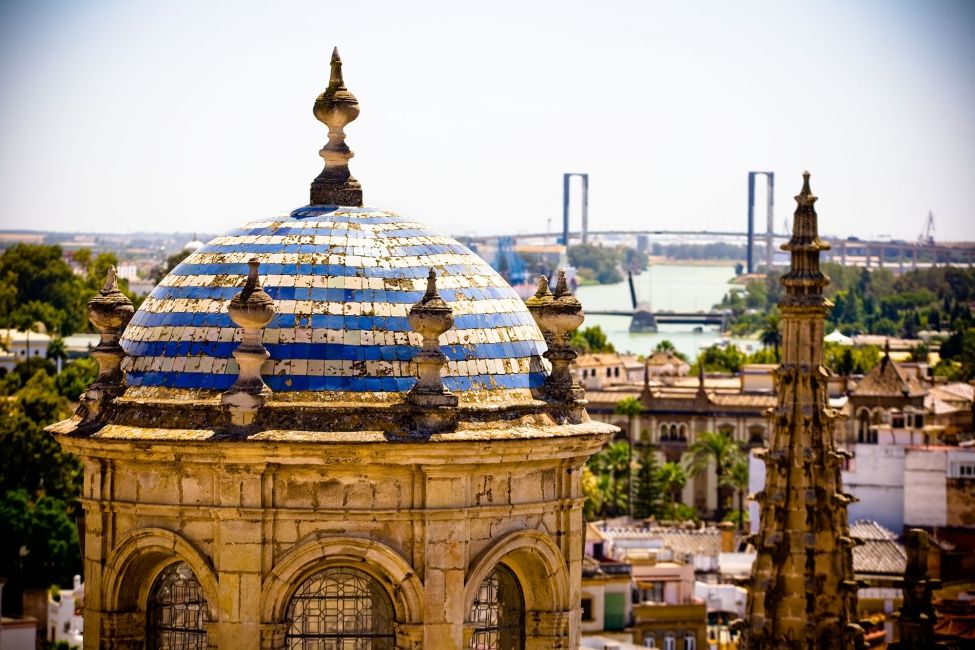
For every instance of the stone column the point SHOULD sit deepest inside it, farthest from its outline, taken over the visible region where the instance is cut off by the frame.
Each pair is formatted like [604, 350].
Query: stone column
[446, 536]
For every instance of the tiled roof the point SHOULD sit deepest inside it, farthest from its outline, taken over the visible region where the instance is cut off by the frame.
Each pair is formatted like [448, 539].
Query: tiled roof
[880, 553]
[701, 542]
[762, 401]
[343, 280]
[887, 379]
[589, 360]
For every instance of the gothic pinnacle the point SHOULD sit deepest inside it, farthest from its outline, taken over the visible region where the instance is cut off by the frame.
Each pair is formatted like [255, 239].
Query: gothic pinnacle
[335, 108]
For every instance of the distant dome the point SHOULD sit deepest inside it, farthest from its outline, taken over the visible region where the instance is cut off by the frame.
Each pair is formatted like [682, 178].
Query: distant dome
[194, 245]
[343, 280]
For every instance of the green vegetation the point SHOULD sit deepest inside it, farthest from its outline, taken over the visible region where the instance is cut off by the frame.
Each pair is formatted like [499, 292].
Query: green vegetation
[590, 340]
[602, 264]
[937, 300]
[713, 447]
[39, 482]
[37, 285]
[712, 251]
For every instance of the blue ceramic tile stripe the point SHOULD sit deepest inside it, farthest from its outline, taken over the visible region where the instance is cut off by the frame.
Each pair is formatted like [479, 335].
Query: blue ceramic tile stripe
[331, 351]
[328, 321]
[331, 295]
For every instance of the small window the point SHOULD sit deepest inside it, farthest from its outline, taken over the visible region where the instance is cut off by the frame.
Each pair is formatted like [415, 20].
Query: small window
[587, 614]
[897, 421]
[670, 642]
[690, 641]
[649, 640]
[498, 612]
[964, 470]
[616, 372]
[918, 420]
[609, 372]
[177, 610]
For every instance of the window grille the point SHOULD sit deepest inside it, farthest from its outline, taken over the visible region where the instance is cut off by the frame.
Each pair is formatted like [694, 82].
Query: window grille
[177, 611]
[340, 608]
[498, 613]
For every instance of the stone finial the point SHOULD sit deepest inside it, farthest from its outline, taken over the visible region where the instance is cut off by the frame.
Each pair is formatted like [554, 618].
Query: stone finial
[917, 615]
[251, 309]
[431, 317]
[109, 311]
[558, 315]
[336, 107]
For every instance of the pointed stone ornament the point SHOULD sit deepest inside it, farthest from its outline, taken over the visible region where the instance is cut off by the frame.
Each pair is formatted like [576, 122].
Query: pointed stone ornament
[802, 591]
[251, 309]
[646, 394]
[917, 616]
[431, 317]
[109, 311]
[558, 316]
[335, 108]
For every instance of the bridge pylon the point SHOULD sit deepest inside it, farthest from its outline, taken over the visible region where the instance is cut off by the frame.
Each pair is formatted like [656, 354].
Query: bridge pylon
[770, 215]
[565, 207]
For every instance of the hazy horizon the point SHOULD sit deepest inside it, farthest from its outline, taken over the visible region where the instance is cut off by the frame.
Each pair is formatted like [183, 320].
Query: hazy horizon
[179, 117]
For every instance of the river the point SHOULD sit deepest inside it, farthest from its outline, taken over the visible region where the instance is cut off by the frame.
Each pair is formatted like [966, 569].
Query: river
[665, 287]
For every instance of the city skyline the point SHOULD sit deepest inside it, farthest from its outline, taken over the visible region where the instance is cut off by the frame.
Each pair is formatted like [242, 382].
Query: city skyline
[136, 117]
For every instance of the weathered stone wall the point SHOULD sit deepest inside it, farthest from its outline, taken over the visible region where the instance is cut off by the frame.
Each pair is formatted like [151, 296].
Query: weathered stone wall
[429, 521]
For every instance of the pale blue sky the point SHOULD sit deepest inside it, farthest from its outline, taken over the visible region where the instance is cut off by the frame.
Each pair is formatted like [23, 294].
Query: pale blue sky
[124, 115]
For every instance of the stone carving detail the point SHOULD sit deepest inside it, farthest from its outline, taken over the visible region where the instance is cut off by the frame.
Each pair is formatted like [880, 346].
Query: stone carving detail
[558, 314]
[802, 593]
[917, 616]
[251, 309]
[109, 311]
[336, 107]
[431, 317]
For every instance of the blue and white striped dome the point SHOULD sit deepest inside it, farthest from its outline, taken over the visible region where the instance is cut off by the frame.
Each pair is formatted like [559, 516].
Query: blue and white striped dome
[343, 280]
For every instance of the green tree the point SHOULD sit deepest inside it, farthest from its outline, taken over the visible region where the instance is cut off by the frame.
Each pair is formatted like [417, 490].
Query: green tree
[75, 378]
[648, 494]
[736, 478]
[672, 480]
[667, 346]
[709, 447]
[612, 466]
[590, 340]
[39, 546]
[594, 492]
[44, 288]
[771, 335]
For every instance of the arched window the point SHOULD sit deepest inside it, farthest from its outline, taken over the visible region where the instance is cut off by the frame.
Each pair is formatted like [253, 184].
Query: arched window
[498, 613]
[683, 433]
[690, 641]
[663, 432]
[673, 432]
[670, 641]
[340, 607]
[177, 610]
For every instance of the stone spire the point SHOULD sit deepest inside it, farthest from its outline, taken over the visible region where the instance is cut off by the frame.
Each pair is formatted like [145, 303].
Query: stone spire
[336, 107]
[802, 594]
[431, 317]
[109, 311]
[558, 315]
[917, 615]
[251, 309]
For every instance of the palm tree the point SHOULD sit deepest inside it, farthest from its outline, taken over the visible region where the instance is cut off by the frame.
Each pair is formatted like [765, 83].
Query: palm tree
[56, 350]
[632, 408]
[709, 446]
[737, 479]
[617, 459]
[770, 336]
[672, 480]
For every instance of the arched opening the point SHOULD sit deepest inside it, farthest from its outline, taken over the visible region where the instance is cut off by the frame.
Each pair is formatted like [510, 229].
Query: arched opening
[498, 612]
[177, 610]
[340, 607]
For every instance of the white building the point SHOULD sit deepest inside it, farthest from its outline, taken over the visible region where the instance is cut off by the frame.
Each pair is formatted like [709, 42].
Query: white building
[21, 345]
[64, 615]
